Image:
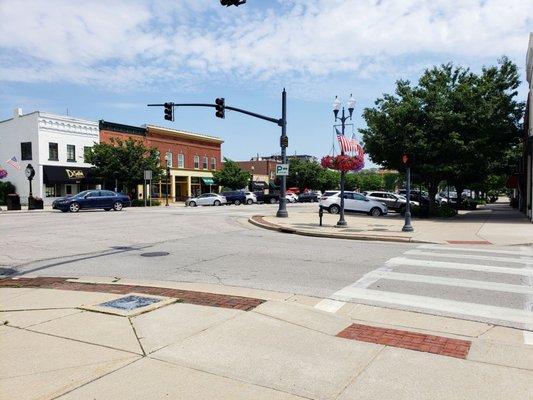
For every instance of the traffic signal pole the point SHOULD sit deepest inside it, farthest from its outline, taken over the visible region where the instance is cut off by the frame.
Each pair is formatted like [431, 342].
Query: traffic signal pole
[284, 140]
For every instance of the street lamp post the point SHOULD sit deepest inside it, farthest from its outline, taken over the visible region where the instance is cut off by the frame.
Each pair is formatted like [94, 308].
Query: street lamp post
[252, 168]
[168, 185]
[407, 227]
[343, 118]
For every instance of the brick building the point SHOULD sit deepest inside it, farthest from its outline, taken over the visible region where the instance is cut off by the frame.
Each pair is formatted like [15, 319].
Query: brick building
[263, 172]
[192, 157]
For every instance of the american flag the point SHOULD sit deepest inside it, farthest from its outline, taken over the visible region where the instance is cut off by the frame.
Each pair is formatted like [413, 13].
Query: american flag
[13, 162]
[347, 145]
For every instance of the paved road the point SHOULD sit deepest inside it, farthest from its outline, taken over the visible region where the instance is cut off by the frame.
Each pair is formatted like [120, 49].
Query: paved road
[217, 245]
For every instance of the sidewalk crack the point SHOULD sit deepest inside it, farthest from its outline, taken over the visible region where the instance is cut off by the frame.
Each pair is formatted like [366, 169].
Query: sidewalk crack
[137, 337]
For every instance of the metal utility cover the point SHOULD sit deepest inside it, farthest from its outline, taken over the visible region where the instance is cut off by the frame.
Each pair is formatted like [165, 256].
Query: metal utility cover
[131, 304]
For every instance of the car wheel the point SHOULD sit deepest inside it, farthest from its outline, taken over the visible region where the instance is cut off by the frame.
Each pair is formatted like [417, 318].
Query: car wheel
[249, 202]
[375, 212]
[334, 209]
[237, 202]
[74, 207]
[192, 204]
[117, 206]
[107, 209]
[272, 200]
[216, 203]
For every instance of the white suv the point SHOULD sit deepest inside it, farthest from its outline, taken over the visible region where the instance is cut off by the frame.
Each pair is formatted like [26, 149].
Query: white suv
[251, 198]
[353, 201]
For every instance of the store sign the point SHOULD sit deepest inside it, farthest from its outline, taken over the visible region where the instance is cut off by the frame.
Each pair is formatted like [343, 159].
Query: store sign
[282, 169]
[75, 174]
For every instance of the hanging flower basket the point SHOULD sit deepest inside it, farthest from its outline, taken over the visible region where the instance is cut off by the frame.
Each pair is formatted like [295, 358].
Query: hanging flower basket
[343, 163]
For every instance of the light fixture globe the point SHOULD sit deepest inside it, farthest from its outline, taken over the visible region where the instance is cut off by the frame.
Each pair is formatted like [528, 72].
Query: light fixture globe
[351, 104]
[336, 106]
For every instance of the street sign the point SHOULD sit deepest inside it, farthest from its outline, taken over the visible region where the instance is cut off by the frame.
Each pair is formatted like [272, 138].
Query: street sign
[282, 169]
[147, 174]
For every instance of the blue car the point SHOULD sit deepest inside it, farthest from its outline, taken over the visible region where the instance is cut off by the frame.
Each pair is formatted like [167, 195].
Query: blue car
[105, 199]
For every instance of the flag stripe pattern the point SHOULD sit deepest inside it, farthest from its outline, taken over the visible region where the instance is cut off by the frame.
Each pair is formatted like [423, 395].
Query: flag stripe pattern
[13, 162]
[349, 145]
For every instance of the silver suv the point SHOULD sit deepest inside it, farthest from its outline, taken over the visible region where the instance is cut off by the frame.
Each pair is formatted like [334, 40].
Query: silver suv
[393, 201]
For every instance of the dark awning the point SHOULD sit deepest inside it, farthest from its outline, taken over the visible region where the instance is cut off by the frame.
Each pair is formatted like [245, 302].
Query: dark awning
[53, 174]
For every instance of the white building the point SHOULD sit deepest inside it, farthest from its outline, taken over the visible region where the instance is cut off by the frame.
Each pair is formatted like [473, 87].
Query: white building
[55, 146]
[528, 122]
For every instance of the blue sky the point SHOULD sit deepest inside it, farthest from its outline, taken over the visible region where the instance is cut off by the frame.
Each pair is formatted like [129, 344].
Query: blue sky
[107, 60]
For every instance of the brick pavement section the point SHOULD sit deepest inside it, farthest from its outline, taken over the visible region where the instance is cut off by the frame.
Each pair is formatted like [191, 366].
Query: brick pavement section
[186, 296]
[408, 340]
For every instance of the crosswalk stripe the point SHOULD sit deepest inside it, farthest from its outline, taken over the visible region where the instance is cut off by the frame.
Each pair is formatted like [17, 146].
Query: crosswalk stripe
[492, 313]
[400, 261]
[467, 283]
[329, 305]
[517, 252]
[522, 260]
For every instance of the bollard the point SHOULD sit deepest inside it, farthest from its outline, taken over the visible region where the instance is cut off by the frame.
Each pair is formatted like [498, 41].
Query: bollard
[320, 214]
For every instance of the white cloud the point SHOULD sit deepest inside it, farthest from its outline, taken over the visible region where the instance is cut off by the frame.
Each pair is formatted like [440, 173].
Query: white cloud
[125, 43]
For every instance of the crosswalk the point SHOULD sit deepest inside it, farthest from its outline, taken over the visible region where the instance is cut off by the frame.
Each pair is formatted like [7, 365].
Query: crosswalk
[488, 284]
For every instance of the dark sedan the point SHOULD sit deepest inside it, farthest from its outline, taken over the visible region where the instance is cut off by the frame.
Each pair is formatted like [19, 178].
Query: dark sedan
[305, 197]
[105, 199]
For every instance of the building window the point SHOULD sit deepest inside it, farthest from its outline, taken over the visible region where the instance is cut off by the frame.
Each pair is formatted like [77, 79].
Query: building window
[205, 163]
[25, 151]
[196, 162]
[86, 151]
[168, 159]
[53, 190]
[53, 154]
[213, 163]
[71, 153]
[181, 161]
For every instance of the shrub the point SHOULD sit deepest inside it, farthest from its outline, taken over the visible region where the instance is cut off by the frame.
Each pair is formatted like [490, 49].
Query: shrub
[140, 203]
[5, 189]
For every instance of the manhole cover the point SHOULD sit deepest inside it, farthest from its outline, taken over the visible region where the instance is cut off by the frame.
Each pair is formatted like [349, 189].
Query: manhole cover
[155, 254]
[7, 271]
[130, 302]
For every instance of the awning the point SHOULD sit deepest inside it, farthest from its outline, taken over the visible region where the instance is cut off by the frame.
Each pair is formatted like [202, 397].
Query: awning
[53, 174]
[208, 181]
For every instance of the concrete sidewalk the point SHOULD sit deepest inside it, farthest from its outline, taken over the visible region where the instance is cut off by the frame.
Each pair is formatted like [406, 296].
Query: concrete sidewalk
[496, 224]
[219, 342]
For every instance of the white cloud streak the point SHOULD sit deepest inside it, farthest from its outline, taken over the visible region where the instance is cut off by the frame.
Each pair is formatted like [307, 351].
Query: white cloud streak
[132, 43]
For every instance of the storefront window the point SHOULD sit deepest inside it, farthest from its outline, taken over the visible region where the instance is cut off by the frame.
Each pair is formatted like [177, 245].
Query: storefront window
[53, 191]
[213, 163]
[196, 162]
[181, 161]
[71, 153]
[205, 163]
[53, 154]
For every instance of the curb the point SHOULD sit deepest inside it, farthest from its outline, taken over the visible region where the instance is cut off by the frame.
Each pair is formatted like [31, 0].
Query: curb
[258, 221]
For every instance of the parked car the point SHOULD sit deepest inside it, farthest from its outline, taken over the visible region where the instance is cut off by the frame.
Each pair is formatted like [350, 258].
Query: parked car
[353, 201]
[105, 199]
[251, 198]
[393, 201]
[263, 197]
[206, 199]
[291, 197]
[236, 197]
[308, 197]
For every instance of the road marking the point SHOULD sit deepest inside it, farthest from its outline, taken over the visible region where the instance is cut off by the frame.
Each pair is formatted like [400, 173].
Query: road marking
[517, 252]
[528, 337]
[437, 280]
[528, 304]
[403, 261]
[493, 313]
[522, 260]
[329, 305]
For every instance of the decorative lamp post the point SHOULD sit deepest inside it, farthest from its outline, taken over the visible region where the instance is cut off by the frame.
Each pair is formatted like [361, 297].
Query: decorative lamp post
[168, 180]
[407, 227]
[343, 118]
[252, 179]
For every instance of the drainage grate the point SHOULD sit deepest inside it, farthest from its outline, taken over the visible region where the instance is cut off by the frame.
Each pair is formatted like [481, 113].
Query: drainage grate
[155, 254]
[130, 302]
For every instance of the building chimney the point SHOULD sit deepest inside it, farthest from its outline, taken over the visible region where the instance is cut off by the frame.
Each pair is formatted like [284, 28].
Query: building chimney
[17, 112]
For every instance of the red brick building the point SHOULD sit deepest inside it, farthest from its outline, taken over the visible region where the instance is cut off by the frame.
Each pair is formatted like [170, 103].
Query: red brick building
[192, 157]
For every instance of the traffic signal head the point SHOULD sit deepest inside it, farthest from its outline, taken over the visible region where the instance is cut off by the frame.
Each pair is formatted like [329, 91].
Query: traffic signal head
[169, 111]
[220, 107]
[228, 3]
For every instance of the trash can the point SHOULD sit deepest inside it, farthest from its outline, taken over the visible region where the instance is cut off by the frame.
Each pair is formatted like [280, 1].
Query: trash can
[13, 201]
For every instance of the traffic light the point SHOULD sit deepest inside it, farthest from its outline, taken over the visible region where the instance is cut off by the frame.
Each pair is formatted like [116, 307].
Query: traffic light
[407, 159]
[220, 106]
[228, 3]
[284, 141]
[169, 111]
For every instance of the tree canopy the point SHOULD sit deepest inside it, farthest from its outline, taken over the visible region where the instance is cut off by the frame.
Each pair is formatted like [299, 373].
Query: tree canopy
[455, 125]
[231, 175]
[125, 160]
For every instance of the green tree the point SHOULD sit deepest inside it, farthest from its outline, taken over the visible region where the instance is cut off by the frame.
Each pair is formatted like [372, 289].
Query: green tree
[303, 174]
[231, 175]
[5, 189]
[328, 179]
[455, 125]
[125, 160]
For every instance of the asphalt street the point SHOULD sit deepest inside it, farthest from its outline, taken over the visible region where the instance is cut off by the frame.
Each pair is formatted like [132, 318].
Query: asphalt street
[218, 245]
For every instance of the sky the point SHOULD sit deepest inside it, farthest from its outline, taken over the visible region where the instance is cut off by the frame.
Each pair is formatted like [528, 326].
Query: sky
[108, 59]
